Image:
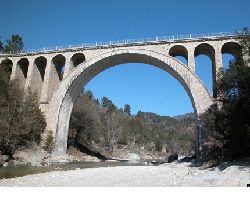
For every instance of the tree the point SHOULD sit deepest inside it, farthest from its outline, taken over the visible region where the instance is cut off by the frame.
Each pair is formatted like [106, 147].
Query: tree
[21, 120]
[105, 102]
[90, 95]
[32, 123]
[212, 139]
[113, 127]
[127, 109]
[14, 44]
[234, 115]
[231, 120]
[10, 103]
[1, 47]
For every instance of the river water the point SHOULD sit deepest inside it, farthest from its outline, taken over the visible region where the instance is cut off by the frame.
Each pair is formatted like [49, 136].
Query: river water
[22, 170]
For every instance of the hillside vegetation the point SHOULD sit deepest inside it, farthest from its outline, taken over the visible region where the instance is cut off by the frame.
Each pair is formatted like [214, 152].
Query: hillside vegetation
[103, 126]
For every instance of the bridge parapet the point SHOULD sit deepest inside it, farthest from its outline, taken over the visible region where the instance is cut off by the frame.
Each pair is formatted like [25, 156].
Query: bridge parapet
[133, 42]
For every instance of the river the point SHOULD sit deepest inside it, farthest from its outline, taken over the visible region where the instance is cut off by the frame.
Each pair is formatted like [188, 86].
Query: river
[22, 170]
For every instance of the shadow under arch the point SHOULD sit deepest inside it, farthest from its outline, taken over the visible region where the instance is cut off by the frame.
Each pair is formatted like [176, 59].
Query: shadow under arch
[61, 104]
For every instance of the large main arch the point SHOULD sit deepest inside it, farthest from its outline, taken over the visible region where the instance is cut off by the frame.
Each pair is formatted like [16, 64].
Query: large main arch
[61, 104]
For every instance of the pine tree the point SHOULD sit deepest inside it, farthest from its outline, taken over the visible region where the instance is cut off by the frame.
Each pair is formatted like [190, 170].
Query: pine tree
[127, 109]
[14, 44]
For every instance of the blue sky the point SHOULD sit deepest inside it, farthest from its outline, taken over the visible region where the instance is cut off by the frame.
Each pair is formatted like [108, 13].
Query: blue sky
[50, 23]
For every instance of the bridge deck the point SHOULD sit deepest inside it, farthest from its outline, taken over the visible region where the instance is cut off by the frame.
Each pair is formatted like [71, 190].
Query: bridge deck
[129, 42]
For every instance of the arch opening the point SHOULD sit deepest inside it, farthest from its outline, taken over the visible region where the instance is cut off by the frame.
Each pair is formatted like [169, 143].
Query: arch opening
[227, 58]
[40, 64]
[59, 65]
[77, 59]
[232, 48]
[231, 51]
[7, 64]
[38, 73]
[147, 90]
[56, 74]
[61, 105]
[180, 53]
[145, 86]
[207, 72]
[22, 71]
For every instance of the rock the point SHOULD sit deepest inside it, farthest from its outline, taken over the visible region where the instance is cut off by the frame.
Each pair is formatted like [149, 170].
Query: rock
[172, 157]
[188, 158]
[5, 158]
[30, 156]
[133, 156]
[91, 159]
[1, 161]
[154, 162]
[5, 164]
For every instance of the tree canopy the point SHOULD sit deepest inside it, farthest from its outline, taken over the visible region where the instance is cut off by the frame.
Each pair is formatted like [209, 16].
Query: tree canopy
[13, 45]
[227, 124]
[21, 120]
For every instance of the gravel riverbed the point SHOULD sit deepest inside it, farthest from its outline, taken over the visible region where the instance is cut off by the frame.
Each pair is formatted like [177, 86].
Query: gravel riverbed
[174, 174]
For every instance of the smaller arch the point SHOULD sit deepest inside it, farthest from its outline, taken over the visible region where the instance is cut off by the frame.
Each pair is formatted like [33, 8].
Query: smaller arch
[7, 64]
[206, 49]
[55, 75]
[22, 71]
[59, 64]
[41, 63]
[77, 59]
[38, 72]
[178, 50]
[23, 65]
[209, 78]
[232, 48]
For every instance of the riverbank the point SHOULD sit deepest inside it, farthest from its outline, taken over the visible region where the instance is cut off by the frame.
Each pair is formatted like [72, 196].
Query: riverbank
[172, 174]
[36, 156]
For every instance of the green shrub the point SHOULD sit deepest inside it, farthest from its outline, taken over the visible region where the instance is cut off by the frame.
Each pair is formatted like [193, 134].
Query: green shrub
[49, 142]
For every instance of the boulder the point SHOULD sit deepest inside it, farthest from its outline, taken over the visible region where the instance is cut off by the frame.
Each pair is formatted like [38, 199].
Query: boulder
[154, 162]
[188, 158]
[1, 160]
[172, 157]
[133, 156]
[5, 158]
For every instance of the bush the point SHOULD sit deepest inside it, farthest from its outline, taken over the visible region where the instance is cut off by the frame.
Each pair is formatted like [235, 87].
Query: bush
[21, 122]
[49, 142]
[212, 141]
[123, 139]
[227, 130]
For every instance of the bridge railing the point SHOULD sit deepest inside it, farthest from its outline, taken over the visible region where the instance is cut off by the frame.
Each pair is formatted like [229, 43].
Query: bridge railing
[157, 39]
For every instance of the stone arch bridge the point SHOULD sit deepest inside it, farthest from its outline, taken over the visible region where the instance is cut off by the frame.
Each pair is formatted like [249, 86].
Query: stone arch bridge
[59, 74]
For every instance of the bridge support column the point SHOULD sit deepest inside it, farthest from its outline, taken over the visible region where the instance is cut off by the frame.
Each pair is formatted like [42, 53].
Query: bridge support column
[68, 66]
[199, 140]
[44, 101]
[14, 69]
[246, 56]
[217, 68]
[29, 75]
[218, 60]
[191, 60]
